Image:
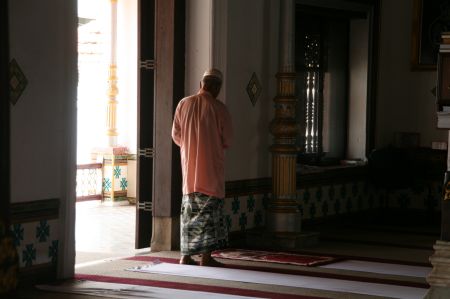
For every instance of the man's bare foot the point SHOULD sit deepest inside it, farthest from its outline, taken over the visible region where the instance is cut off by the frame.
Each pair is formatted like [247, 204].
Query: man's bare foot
[187, 260]
[210, 262]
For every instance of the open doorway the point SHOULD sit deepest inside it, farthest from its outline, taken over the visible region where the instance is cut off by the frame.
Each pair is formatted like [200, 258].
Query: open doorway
[107, 129]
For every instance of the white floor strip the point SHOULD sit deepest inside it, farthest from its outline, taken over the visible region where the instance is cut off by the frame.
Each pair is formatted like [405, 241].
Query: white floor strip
[356, 287]
[127, 291]
[381, 268]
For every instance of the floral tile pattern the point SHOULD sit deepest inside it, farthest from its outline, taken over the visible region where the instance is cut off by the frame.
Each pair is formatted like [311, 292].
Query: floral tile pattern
[36, 242]
[244, 212]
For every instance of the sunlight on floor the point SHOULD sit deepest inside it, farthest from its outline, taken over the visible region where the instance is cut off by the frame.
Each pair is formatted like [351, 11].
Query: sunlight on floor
[104, 231]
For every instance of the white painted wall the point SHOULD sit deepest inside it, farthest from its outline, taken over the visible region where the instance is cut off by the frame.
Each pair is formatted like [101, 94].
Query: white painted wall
[358, 65]
[404, 99]
[252, 47]
[245, 41]
[43, 37]
[39, 122]
[198, 42]
[335, 91]
[127, 62]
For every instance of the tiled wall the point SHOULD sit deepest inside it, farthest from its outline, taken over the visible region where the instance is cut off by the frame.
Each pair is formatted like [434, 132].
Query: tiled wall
[332, 199]
[115, 178]
[35, 232]
[245, 211]
[36, 242]
[425, 196]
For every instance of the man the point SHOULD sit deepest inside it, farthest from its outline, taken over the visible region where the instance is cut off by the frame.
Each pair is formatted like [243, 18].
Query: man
[202, 129]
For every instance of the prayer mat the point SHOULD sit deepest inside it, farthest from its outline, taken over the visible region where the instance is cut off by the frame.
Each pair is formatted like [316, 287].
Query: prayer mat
[274, 257]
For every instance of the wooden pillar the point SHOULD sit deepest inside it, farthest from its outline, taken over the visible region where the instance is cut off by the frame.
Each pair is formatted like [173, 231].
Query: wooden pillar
[283, 215]
[111, 112]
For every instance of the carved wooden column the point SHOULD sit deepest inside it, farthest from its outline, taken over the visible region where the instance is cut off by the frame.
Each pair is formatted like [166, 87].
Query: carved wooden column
[113, 157]
[283, 215]
[112, 80]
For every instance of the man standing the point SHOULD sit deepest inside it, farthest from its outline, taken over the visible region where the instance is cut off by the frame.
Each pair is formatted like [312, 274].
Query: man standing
[202, 129]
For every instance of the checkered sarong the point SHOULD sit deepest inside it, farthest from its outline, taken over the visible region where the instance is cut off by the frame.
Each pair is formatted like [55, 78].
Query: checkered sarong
[202, 224]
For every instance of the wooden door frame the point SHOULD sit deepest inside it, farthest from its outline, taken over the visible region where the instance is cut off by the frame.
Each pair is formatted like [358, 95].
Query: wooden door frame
[169, 51]
[4, 116]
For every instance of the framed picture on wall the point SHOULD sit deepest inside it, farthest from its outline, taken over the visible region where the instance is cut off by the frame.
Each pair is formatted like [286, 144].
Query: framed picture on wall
[430, 18]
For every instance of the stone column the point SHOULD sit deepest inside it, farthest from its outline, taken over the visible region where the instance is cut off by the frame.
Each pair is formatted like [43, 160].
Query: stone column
[283, 215]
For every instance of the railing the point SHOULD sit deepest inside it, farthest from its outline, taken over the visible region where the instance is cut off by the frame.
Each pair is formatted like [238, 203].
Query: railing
[89, 181]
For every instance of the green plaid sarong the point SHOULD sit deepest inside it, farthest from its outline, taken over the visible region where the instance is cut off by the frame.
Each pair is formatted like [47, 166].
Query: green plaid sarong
[202, 224]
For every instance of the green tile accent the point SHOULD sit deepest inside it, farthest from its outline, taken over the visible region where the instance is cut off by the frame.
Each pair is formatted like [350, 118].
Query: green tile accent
[243, 221]
[42, 231]
[53, 251]
[250, 203]
[29, 255]
[117, 171]
[258, 218]
[17, 232]
[235, 205]
[106, 184]
[123, 184]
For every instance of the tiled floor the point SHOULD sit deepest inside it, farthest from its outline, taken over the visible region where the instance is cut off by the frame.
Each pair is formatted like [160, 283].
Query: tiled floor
[103, 231]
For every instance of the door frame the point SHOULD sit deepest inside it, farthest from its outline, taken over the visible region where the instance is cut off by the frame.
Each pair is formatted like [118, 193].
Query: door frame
[4, 116]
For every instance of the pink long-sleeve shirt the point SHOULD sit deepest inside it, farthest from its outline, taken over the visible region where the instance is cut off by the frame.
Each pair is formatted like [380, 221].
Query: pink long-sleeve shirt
[202, 129]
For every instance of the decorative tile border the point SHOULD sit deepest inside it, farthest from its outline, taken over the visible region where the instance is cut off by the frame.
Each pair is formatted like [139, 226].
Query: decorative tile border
[36, 242]
[35, 231]
[245, 212]
[333, 199]
[319, 199]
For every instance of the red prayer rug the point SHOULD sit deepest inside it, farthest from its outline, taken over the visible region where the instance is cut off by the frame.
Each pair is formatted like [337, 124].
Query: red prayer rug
[273, 257]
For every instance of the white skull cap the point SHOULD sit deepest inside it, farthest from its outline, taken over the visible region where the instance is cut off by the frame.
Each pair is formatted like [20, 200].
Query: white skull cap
[213, 73]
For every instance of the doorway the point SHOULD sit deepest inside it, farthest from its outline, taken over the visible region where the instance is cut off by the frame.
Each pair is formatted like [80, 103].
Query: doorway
[107, 130]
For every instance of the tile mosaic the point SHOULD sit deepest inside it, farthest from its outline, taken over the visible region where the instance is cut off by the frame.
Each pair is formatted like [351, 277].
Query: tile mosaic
[37, 239]
[28, 255]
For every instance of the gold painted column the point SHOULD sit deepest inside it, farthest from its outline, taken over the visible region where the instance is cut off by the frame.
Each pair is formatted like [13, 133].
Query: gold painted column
[111, 130]
[114, 157]
[283, 216]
